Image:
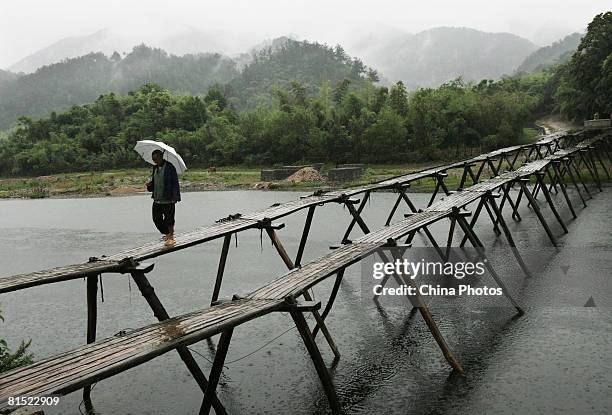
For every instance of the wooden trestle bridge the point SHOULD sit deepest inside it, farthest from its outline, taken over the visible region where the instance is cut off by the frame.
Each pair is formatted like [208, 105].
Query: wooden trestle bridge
[551, 164]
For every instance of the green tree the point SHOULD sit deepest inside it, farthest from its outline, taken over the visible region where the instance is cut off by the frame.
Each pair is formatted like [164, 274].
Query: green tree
[398, 98]
[585, 88]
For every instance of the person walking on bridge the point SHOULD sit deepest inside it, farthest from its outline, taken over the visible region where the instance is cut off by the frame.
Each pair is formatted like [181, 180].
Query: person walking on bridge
[165, 186]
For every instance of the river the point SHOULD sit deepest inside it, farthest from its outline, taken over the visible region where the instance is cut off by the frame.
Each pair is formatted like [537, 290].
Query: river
[556, 358]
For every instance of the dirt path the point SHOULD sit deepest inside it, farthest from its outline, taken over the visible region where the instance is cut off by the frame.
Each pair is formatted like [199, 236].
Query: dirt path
[554, 123]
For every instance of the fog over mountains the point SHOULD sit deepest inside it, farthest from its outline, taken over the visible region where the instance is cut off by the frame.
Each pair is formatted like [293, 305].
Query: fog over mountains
[175, 39]
[434, 56]
[394, 53]
[77, 70]
[548, 55]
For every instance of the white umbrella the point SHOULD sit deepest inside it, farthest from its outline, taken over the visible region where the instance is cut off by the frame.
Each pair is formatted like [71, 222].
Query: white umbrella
[146, 147]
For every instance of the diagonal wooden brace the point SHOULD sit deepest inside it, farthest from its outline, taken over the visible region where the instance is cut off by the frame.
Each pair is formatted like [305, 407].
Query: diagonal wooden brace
[317, 360]
[537, 211]
[289, 264]
[348, 202]
[215, 372]
[540, 178]
[471, 236]
[147, 291]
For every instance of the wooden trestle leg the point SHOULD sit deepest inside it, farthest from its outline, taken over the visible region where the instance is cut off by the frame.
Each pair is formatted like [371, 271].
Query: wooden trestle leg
[471, 236]
[289, 263]
[215, 372]
[537, 211]
[147, 291]
[92, 317]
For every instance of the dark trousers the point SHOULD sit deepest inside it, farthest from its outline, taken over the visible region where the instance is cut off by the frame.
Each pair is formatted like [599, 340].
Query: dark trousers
[163, 216]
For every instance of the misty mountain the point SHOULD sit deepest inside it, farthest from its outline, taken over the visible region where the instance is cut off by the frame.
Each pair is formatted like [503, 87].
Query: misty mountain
[83, 79]
[434, 56]
[175, 39]
[549, 55]
[6, 76]
[550, 31]
[428, 58]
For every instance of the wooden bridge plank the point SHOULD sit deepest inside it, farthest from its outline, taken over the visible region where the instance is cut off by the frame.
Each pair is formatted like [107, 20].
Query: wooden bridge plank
[244, 222]
[111, 356]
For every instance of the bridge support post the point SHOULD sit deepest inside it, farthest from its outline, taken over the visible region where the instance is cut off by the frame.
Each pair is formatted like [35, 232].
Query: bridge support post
[471, 173]
[589, 156]
[537, 211]
[463, 177]
[356, 215]
[92, 318]
[474, 241]
[317, 359]
[560, 174]
[494, 170]
[221, 269]
[304, 238]
[330, 301]
[290, 265]
[588, 166]
[439, 185]
[598, 156]
[563, 186]
[473, 221]
[393, 209]
[449, 241]
[531, 150]
[138, 275]
[515, 208]
[507, 233]
[540, 179]
[516, 156]
[576, 166]
[480, 170]
[506, 190]
[215, 372]
[433, 241]
[492, 217]
[418, 302]
[401, 190]
[553, 181]
[568, 169]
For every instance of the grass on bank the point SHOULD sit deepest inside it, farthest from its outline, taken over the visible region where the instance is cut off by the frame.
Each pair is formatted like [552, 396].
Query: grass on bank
[129, 181]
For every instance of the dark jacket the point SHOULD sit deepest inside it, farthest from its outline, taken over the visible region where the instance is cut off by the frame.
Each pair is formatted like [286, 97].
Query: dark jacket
[172, 190]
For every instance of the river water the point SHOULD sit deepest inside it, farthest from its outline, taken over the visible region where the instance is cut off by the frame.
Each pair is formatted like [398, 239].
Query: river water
[556, 358]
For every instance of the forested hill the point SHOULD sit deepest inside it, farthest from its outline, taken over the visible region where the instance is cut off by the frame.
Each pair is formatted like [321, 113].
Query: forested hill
[368, 123]
[559, 51]
[425, 59]
[83, 79]
[277, 67]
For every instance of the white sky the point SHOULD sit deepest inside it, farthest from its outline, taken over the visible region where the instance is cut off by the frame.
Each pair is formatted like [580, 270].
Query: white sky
[29, 25]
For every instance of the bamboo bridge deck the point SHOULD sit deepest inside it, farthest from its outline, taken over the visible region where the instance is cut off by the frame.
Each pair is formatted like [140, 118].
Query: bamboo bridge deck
[556, 157]
[242, 222]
